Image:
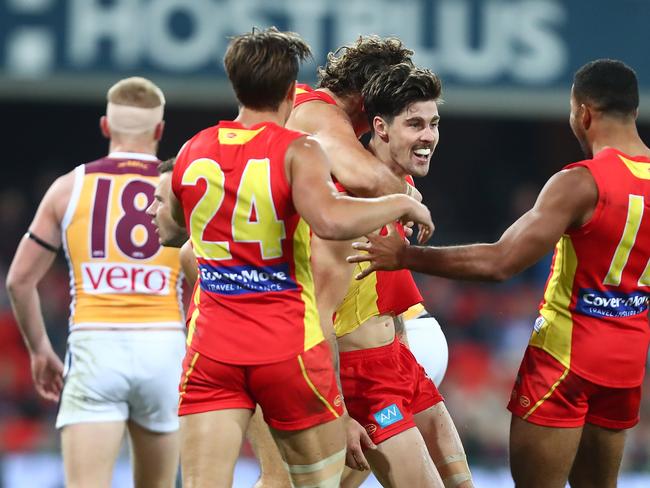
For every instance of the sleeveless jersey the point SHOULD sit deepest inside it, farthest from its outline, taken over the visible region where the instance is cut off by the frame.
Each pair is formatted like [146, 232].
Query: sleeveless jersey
[255, 300]
[594, 314]
[380, 293]
[120, 276]
[305, 93]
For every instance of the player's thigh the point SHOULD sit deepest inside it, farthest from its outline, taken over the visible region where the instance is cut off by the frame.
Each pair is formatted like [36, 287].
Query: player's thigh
[444, 444]
[210, 444]
[272, 471]
[599, 456]
[155, 457]
[89, 453]
[403, 460]
[540, 456]
[315, 456]
[428, 344]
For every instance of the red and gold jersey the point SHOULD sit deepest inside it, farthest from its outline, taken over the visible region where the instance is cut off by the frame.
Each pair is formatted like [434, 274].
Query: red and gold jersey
[594, 314]
[120, 276]
[305, 93]
[255, 300]
[380, 293]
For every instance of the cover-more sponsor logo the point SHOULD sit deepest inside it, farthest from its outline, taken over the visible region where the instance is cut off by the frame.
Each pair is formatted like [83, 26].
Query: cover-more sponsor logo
[239, 280]
[598, 303]
[100, 278]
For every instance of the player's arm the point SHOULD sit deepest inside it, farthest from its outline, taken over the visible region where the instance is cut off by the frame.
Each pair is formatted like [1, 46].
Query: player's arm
[188, 264]
[351, 164]
[337, 217]
[566, 201]
[34, 256]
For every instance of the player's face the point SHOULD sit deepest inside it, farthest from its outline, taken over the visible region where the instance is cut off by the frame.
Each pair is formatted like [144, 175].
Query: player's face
[413, 136]
[575, 121]
[160, 212]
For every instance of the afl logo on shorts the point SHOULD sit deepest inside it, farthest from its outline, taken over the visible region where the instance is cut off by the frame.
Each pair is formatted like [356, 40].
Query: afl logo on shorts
[524, 401]
[371, 429]
[338, 400]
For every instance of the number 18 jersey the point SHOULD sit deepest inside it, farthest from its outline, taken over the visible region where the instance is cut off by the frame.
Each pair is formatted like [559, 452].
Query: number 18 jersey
[120, 276]
[255, 300]
[594, 315]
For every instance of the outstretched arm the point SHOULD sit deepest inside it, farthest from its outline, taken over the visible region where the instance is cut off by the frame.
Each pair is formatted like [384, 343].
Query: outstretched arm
[352, 165]
[337, 217]
[567, 200]
[30, 263]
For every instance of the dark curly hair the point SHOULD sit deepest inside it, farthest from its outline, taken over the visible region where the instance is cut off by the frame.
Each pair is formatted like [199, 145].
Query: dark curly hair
[262, 64]
[350, 67]
[389, 92]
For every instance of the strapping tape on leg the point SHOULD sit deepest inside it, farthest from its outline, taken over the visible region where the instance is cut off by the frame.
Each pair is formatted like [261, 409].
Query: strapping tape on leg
[456, 479]
[322, 474]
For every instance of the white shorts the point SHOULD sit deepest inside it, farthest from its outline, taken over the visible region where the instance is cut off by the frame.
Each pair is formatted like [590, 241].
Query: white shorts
[114, 376]
[429, 346]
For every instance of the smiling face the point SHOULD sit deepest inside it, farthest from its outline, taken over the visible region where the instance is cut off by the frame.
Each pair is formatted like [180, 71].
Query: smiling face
[169, 232]
[411, 136]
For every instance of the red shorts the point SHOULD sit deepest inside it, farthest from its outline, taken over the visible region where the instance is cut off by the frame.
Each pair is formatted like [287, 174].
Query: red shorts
[546, 393]
[294, 394]
[384, 387]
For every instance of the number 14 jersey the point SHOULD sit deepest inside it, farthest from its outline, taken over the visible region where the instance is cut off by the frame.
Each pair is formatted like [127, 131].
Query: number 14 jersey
[255, 300]
[120, 276]
[594, 315]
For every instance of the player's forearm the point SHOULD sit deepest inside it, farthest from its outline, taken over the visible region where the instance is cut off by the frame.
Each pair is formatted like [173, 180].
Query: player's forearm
[27, 310]
[365, 179]
[355, 217]
[476, 262]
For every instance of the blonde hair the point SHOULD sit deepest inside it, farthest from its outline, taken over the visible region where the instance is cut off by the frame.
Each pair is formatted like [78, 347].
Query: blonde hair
[136, 92]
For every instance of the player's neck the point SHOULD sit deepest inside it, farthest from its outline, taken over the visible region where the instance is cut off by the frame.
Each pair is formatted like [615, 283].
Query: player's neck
[249, 117]
[382, 152]
[352, 106]
[623, 137]
[133, 147]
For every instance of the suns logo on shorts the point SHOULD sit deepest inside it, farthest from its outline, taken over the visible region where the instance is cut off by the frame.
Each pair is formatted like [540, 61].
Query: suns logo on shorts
[371, 429]
[524, 401]
[338, 400]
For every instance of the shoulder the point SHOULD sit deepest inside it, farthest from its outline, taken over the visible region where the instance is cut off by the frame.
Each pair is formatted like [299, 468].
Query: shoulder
[317, 116]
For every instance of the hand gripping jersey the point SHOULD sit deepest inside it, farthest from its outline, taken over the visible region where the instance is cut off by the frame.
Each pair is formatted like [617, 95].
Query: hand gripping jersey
[255, 303]
[380, 293]
[120, 276]
[594, 314]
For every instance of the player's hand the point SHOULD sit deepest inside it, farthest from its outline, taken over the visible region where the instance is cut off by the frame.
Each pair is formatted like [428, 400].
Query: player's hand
[413, 192]
[382, 252]
[357, 440]
[420, 215]
[47, 372]
[408, 229]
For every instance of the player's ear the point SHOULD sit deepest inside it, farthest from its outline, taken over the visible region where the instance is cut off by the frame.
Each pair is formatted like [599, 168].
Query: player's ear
[291, 93]
[158, 131]
[585, 116]
[103, 126]
[380, 127]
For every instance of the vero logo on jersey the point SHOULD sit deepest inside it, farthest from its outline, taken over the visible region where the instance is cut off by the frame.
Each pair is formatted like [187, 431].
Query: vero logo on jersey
[239, 280]
[388, 416]
[598, 303]
[102, 278]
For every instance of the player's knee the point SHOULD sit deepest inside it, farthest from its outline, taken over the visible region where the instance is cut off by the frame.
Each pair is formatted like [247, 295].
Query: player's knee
[325, 473]
[454, 471]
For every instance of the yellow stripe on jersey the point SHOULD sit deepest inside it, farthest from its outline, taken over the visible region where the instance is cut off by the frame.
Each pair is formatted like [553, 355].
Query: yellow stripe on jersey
[413, 312]
[554, 333]
[638, 169]
[300, 90]
[196, 297]
[359, 304]
[232, 137]
[314, 389]
[302, 257]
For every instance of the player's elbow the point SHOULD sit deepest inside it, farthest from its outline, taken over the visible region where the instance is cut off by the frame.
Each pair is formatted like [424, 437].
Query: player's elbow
[328, 229]
[16, 284]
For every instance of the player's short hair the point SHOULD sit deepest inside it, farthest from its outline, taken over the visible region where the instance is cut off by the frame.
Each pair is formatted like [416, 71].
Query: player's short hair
[262, 64]
[609, 85]
[350, 67]
[166, 166]
[136, 92]
[391, 91]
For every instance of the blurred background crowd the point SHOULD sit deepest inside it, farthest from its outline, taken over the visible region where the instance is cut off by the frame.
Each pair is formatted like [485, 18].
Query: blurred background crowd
[504, 131]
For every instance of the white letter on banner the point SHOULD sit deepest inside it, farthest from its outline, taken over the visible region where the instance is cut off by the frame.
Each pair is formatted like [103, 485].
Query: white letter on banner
[91, 22]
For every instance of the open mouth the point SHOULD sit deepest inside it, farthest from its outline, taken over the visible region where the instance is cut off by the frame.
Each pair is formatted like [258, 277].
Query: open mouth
[422, 153]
